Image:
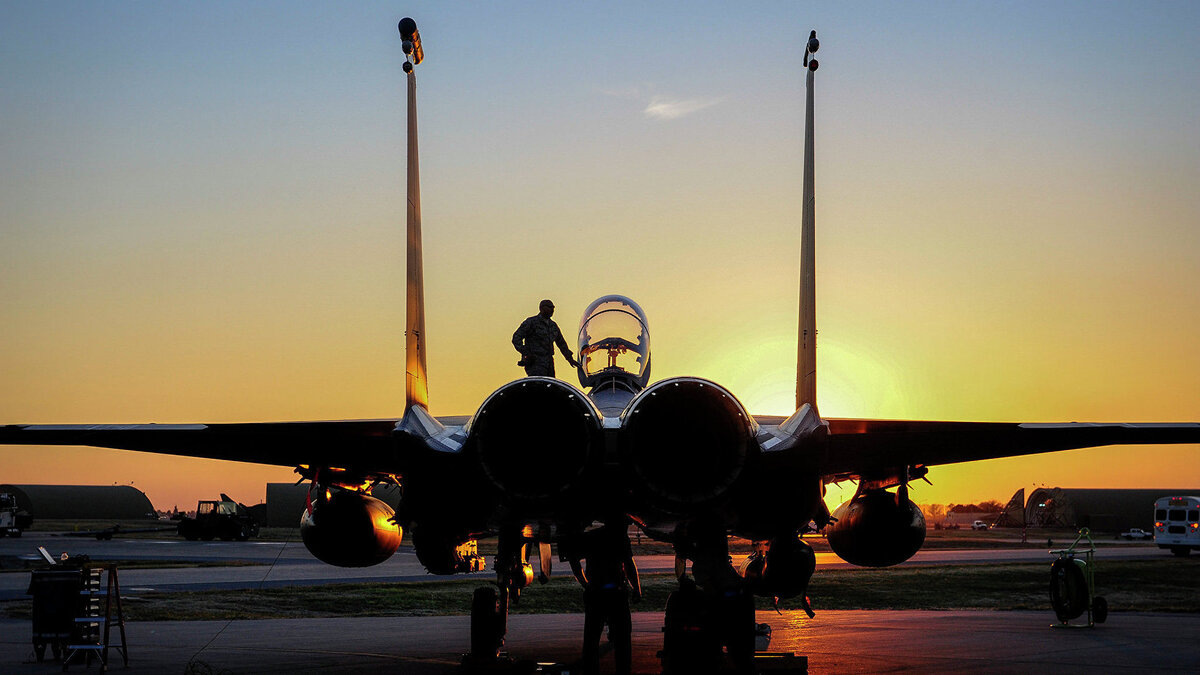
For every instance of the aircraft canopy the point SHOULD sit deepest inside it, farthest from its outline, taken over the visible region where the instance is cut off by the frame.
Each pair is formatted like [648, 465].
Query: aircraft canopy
[614, 343]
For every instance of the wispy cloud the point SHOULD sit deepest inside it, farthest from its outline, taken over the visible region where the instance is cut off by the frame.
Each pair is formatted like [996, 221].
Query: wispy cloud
[666, 108]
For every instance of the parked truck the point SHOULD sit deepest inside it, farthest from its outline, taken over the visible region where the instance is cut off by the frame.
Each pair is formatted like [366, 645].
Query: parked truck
[1136, 533]
[13, 519]
[225, 519]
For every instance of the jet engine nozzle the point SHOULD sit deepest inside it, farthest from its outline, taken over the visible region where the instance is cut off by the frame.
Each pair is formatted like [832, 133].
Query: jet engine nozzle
[687, 441]
[876, 529]
[535, 437]
[350, 529]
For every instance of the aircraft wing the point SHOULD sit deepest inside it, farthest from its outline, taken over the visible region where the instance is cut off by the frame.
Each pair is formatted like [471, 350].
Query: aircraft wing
[857, 447]
[369, 446]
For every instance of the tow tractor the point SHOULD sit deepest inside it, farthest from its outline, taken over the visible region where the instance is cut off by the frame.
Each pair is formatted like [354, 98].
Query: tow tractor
[224, 519]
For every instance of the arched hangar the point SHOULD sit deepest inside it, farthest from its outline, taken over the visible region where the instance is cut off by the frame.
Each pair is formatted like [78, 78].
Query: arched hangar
[1101, 510]
[82, 502]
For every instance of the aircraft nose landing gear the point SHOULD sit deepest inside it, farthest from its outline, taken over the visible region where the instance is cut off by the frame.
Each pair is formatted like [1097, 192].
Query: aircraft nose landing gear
[489, 604]
[489, 619]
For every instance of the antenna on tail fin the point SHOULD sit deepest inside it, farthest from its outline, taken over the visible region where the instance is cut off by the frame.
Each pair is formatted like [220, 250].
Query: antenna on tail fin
[806, 358]
[416, 380]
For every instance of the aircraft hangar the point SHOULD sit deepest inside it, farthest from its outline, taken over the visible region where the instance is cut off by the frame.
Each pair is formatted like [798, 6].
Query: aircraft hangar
[1102, 510]
[82, 502]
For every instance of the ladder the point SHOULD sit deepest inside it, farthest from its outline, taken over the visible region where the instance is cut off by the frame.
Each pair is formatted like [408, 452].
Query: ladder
[92, 623]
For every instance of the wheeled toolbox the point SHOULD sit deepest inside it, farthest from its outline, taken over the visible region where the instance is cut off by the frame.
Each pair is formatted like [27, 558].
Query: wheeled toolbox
[56, 600]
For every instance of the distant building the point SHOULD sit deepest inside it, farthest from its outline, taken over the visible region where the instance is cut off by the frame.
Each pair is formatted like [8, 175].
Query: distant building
[82, 502]
[1104, 511]
[285, 502]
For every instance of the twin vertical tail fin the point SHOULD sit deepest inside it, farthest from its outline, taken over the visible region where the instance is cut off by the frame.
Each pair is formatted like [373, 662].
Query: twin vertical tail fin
[416, 380]
[806, 358]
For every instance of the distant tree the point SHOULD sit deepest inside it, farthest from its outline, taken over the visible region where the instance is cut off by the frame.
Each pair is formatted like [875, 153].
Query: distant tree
[986, 506]
[990, 506]
[935, 513]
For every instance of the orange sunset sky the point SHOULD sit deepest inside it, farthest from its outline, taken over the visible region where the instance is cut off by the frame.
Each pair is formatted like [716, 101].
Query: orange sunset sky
[202, 212]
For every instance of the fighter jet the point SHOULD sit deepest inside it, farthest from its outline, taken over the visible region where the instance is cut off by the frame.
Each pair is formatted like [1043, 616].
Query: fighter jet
[541, 459]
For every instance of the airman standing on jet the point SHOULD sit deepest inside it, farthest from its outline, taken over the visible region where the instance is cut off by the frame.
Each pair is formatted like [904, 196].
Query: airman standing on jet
[535, 340]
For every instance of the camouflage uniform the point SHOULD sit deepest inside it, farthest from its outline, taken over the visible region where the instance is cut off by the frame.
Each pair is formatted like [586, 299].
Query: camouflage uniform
[535, 339]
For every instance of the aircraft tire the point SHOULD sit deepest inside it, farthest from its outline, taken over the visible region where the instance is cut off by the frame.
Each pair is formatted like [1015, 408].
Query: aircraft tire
[485, 639]
[1068, 589]
[1099, 609]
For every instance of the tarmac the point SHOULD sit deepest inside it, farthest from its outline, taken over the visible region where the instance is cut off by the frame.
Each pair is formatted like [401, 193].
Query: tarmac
[290, 564]
[835, 642]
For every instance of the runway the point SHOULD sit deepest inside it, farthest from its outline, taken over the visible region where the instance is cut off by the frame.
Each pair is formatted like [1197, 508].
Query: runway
[835, 642]
[290, 564]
